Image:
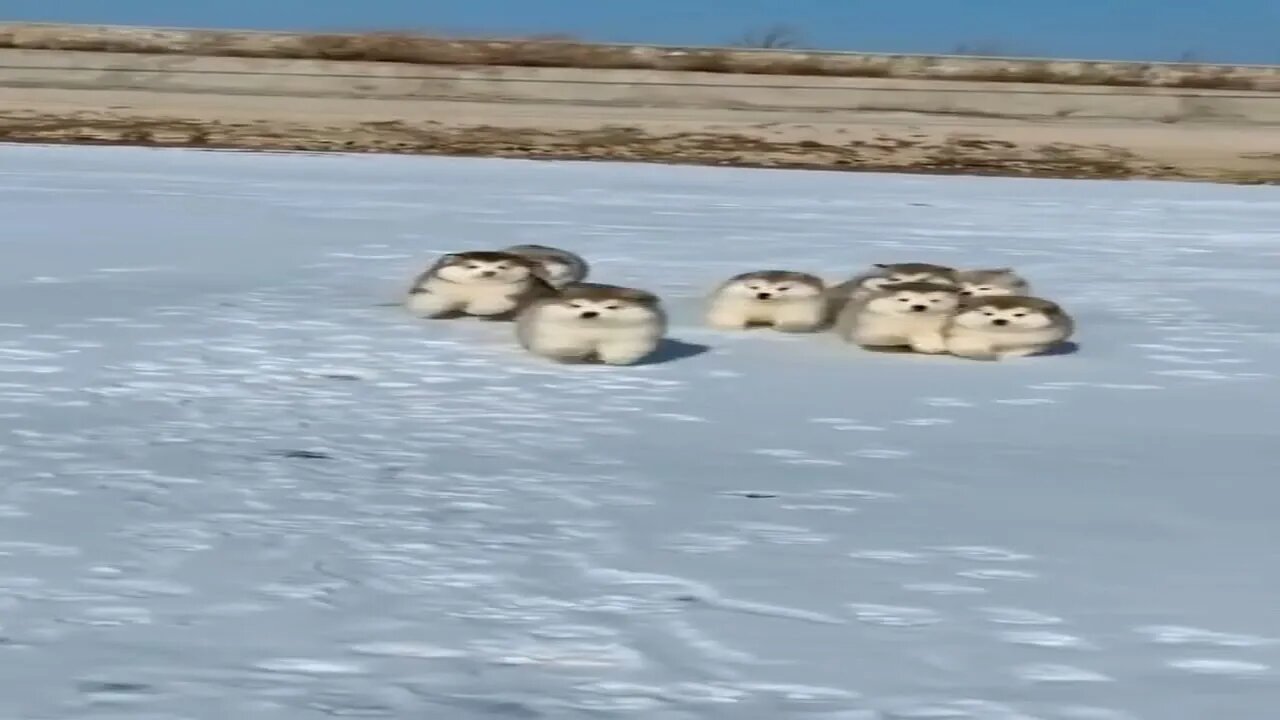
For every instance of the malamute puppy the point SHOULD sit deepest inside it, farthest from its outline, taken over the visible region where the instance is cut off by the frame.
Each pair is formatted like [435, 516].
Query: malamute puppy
[784, 300]
[592, 322]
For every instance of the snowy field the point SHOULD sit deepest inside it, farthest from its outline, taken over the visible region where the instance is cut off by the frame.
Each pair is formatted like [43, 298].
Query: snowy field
[233, 484]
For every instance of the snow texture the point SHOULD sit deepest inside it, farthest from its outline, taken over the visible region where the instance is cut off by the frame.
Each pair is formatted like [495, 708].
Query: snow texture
[236, 484]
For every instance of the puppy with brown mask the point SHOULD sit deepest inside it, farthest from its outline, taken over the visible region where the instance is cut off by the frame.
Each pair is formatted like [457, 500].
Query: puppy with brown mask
[784, 300]
[992, 281]
[593, 322]
[493, 285]
[1000, 327]
[899, 315]
[559, 267]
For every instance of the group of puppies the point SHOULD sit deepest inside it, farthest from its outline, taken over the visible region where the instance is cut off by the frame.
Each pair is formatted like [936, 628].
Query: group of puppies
[904, 307]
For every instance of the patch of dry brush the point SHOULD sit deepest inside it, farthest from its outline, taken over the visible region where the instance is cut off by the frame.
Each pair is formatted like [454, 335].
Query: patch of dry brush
[423, 50]
[953, 155]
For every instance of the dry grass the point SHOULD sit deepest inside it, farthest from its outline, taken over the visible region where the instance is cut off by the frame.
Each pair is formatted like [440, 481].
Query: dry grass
[553, 52]
[953, 155]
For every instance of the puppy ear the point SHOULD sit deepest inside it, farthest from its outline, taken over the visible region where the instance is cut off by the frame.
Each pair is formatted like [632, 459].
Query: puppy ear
[813, 280]
[539, 271]
[1051, 308]
[998, 270]
[880, 265]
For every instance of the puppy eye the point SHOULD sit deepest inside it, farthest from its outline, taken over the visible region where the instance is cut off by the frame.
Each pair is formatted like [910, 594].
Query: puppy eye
[611, 307]
[784, 288]
[903, 299]
[473, 266]
[984, 288]
[1019, 314]
[988, 314]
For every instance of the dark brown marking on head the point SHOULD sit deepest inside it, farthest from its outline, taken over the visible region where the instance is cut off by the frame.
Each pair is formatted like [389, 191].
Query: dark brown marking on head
[919, 287]
[534, 247]
[779, 276]
[601, 291]
[916, 268]
[486, 256]
[1014, 302]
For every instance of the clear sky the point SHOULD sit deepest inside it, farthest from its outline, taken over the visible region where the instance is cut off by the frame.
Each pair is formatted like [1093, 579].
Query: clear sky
[1242, 31]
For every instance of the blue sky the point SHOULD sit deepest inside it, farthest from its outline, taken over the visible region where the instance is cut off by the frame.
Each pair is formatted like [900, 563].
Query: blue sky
[1245, 31]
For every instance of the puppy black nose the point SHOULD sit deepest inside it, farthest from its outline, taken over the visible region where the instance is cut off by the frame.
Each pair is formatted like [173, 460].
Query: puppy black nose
[919, 308]
[589, 314]
[999, 321]
[489, 273]
[764, 295]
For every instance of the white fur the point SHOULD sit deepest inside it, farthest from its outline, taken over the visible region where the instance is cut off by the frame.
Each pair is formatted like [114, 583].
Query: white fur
[621, 334]
[973, 289]
[864, 287]
[559, 274]
[906, 277]
[792, 306]
[971, 333]
[474, 272]
[888, 320]
[473, 298]
[989, 283]
[472, 287]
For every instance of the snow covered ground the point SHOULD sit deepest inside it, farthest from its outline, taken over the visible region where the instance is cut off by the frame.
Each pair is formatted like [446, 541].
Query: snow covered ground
[234, 485]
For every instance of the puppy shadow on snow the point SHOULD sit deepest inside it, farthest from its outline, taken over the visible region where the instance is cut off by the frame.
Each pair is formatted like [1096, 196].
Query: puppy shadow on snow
[668, 350]
[672, 350]
[1063, 348]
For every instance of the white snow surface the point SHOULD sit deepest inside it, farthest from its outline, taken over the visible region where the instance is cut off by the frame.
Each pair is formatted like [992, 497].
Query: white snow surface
[236, 484]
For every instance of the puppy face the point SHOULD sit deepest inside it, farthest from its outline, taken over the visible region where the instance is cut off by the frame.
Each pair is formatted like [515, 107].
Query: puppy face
[888, 274]
[591, 304]
[922, 299]
[981, 289]
[494, 268]
[774, 286]
[988, 283]
[993, 316]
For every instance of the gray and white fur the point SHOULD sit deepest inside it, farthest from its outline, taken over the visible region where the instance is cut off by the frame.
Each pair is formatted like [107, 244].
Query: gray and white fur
[1006, 326]
[881, 274]
[898, 315]
[559, 267]
[494, 285]
[782, 299]
[592, 322]
[992, 281]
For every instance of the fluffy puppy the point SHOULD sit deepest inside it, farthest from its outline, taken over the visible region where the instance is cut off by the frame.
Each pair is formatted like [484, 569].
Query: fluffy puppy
[592, 322]
[881, 274]
[784, 300]
[494, 285]
[994, 281]
[559, 267]
[1006, 326]
[900, 314]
